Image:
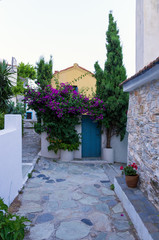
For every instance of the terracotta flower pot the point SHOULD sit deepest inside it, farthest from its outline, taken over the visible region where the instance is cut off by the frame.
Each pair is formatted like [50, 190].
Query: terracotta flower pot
[132, 181]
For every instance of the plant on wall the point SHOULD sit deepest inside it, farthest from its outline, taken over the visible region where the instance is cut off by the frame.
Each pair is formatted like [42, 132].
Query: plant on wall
[5, 85]
[107, 86]
[60, 111]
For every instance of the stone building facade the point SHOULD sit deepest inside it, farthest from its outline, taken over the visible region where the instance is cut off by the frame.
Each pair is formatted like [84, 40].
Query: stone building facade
[143, 128]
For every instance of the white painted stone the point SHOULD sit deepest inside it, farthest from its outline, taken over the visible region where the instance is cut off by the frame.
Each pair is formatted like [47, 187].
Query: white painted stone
[77, 196]
[100, 221]
[118, 208]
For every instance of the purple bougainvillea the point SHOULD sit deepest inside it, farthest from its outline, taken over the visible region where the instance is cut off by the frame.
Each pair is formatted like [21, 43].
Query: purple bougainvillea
[60, 111]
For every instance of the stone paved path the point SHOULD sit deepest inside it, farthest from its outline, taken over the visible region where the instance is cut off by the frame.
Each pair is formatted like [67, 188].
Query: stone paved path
[70, 201]
[31, 143]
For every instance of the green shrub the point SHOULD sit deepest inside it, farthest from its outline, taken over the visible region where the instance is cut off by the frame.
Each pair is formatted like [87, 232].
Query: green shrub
[11, 226]
[18, 109]
[1, 121]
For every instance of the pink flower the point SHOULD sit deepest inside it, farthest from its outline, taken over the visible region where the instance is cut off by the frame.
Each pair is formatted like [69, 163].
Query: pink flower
[121, 168]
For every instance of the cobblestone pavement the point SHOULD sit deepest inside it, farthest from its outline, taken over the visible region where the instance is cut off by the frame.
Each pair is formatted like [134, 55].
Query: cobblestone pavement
[30, 142]
[73, 201]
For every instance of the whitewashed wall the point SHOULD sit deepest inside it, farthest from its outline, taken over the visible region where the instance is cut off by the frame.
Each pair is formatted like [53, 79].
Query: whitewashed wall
[11, 158]
[78, 153]
[119, 147]
[147, 34]
[44, 148]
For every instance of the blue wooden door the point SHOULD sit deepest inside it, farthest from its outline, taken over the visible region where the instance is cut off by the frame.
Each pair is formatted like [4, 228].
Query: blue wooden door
[91, 138]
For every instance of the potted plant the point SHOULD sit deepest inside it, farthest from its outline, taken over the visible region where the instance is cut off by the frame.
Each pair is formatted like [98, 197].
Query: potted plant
[131, 176]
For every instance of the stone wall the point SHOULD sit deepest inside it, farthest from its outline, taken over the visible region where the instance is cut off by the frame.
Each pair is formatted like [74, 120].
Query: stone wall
[143, 141]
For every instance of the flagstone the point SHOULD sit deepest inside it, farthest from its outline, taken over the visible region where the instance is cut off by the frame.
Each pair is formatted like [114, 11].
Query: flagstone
[103, 207]
[117, 208]
[77, 196]
[51, 206]
[73, 202]
[91, 190]
[46, 217]
[31, 196]
[101, 236]
[107, 191]
[121, 225]
[120, 236]
[88, 200]
[42, 231]
[30, 207]
[68, 204]
[72, 230]
[101, 222]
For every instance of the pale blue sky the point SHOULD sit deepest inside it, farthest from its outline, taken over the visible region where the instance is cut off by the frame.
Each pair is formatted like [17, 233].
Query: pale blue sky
[71, 31]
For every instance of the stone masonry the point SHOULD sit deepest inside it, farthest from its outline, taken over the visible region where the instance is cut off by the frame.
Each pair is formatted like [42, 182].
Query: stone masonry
[143, 142]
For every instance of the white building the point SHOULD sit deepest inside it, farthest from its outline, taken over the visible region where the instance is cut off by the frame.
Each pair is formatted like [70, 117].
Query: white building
[147, 32]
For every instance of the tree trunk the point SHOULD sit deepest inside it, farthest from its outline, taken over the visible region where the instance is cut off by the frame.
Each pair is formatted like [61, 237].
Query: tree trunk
[109, 131]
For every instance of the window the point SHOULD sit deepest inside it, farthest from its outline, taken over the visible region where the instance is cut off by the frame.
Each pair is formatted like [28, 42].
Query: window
[75, 88]
[28, 115]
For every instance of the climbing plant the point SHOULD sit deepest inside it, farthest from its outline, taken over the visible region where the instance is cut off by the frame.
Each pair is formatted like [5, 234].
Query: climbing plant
[59, 112]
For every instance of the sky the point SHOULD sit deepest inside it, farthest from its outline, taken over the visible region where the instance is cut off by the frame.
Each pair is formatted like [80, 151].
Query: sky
[71, 31]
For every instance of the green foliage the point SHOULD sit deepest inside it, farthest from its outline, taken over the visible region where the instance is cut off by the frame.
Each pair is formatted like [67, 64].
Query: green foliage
[112, 187]
[107, 86]
[11, 226]
[5, 85]
[18, 89]
[26, 71]
[44, 72]
[18, 109]
[62, 133]
[1, 121]
[29, 175]
[130, 170]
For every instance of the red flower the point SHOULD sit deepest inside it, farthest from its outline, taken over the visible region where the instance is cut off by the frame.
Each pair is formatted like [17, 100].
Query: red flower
[134, 166]
[121, 168]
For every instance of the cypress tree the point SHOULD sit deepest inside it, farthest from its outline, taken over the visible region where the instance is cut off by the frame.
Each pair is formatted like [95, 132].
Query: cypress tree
[44, 72]
[107, 86]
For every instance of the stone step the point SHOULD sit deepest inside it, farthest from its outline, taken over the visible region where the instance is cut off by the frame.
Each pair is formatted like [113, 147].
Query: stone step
[141, 211]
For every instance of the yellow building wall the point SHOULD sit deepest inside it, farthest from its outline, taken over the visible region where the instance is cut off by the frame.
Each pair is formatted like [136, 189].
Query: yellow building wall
[77, 76]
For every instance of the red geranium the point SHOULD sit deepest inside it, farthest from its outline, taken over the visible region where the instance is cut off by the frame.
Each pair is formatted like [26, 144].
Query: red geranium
[121, 168]
[130, 170]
